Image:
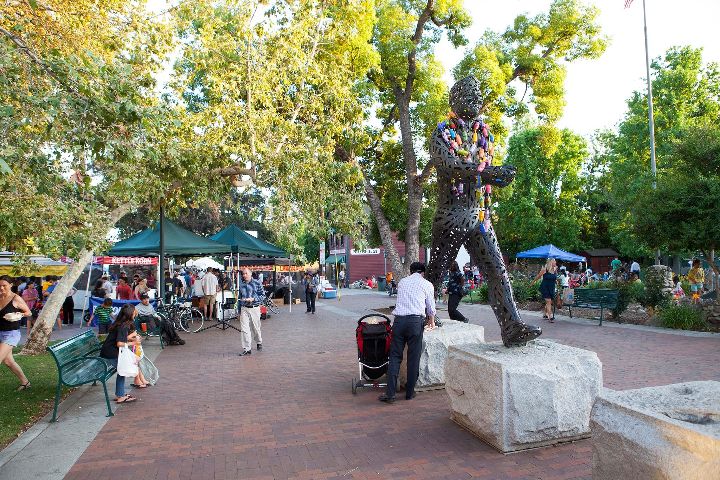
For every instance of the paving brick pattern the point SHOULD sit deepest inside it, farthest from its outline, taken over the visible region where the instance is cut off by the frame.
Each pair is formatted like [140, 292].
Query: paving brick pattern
[288, 411]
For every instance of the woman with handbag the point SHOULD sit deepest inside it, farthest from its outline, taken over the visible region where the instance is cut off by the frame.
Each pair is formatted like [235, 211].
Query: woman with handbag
[455, 290]
[547, 287]
[121, 335]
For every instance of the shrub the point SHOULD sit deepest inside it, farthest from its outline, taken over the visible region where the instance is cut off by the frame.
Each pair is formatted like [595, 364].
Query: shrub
[683, 317]
[524, 290]
[477, 295]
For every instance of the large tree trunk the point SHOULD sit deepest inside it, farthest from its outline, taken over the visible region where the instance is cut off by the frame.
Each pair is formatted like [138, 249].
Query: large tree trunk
[40, 334]
[412, 232]
[386, 233]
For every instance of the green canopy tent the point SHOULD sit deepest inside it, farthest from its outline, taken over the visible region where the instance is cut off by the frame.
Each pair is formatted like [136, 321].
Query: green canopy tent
[243, 243]
[178, 241]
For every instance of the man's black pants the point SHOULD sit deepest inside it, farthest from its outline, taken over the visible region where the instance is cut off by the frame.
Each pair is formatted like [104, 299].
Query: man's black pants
[68, 309]
[310, 301]
[453, 302]
[406, 330]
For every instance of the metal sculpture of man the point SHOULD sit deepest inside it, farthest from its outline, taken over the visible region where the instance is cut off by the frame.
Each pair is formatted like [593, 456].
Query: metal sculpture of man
[460, 153]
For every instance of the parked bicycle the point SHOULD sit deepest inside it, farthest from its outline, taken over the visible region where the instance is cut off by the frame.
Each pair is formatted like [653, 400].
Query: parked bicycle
[181, 315]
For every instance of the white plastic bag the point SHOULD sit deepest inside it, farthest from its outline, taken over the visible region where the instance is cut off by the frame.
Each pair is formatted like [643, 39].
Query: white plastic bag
[149, 370]
[126, 363]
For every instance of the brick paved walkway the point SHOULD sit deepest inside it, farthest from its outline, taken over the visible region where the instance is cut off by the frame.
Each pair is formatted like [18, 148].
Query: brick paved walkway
[288, 411]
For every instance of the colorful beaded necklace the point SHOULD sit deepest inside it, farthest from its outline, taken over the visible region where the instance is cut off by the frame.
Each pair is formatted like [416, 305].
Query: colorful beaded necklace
[478, 148]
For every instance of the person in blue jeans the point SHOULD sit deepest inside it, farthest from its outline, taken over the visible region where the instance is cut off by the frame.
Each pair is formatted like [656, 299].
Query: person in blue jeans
[122, 333]
[415, 301]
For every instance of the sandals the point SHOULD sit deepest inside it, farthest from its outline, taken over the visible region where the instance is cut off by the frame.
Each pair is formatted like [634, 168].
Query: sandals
[138, 386]
[552, 320]
[125, 399]
[23, 387]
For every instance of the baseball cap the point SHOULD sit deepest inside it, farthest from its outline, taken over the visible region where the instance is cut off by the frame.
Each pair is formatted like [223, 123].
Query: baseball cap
[143, 296]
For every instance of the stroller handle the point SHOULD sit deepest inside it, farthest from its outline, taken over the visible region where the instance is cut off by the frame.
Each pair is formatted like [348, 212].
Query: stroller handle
[386, 319]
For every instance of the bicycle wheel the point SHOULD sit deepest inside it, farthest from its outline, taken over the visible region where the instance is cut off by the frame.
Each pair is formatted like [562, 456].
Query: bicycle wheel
[183, 319]
[194, 320]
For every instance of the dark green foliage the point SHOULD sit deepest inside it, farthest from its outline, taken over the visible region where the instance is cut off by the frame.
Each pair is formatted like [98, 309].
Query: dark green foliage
[676, 216]
[683, 317]
[525, 290]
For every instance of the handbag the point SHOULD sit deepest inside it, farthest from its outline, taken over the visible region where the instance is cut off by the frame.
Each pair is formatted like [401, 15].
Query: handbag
[126, 366]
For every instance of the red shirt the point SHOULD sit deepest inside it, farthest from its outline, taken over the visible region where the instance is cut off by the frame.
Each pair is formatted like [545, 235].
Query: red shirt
[124, 292]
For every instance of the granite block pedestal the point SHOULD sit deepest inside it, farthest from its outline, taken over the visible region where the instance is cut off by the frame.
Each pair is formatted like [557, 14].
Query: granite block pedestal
[435, 351]
[666, 432]
[524, 397]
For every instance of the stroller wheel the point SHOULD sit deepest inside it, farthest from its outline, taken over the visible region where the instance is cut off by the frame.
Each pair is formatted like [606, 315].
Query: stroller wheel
[354, 386]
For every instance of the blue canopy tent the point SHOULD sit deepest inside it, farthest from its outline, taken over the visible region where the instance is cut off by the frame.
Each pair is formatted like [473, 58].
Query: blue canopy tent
[551, 251]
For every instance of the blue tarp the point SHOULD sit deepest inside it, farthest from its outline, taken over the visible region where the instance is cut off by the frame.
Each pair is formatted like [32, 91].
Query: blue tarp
[551, 251]
[116, 306]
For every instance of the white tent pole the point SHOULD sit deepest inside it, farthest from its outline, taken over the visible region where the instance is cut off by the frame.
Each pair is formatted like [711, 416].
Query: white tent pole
[290, 284]
[87, 293]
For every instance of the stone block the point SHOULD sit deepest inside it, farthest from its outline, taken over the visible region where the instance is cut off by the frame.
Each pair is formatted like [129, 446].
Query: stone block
[435, 350]
[519, 398]
[666, 432]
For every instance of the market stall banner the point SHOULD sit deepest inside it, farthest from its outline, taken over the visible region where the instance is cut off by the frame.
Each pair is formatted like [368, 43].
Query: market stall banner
[270, 268]
[125, 260]
[116, 306]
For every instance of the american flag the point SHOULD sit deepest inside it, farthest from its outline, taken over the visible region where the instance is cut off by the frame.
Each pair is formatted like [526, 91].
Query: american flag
[628, 3]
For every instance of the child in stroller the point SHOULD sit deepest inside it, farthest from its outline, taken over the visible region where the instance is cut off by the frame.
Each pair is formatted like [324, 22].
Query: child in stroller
[373, 335]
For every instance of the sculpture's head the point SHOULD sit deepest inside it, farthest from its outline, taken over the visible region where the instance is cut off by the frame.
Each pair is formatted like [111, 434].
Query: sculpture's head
[466, 98]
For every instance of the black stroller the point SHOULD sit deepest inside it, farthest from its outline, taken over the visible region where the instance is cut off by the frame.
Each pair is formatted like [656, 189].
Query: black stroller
[373, 335]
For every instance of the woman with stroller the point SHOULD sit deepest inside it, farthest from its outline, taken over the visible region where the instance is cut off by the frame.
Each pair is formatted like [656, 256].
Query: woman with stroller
[121, 334]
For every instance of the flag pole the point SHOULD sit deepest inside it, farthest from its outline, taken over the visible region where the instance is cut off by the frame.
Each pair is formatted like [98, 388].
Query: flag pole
[651, 117]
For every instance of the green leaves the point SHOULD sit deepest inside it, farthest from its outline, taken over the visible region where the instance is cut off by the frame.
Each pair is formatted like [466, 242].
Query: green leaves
[687, 109]
[535, 51]
[542, 206]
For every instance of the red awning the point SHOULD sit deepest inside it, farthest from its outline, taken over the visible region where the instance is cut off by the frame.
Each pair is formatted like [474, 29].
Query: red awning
[125, 260]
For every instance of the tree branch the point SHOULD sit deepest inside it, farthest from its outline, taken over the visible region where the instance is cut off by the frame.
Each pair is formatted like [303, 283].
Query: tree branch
[425, 174]
[411, 56]
[23, 47]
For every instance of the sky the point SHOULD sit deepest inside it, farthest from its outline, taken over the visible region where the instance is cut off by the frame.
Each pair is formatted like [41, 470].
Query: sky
[597, 90]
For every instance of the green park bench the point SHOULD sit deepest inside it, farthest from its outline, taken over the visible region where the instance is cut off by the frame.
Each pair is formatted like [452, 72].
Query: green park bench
[78, 364]
[597, 298]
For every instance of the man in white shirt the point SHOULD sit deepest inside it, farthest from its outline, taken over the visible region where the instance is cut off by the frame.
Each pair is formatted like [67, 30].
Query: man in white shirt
[210, 290]
[341, 279]
[415, 301]
[108, 286]
[635, 268]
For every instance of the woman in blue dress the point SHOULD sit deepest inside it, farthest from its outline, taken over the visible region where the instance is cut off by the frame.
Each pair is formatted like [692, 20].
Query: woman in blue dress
[547, 286]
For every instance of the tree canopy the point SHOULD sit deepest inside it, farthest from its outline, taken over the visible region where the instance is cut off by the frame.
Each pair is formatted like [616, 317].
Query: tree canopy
[541, 206]
[686, 96]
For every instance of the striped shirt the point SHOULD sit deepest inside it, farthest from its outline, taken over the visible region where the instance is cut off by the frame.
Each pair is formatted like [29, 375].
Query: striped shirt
[103, 314]
[416, 296]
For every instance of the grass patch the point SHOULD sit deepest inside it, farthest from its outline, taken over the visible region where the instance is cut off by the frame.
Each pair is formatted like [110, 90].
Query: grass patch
[20, 410]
